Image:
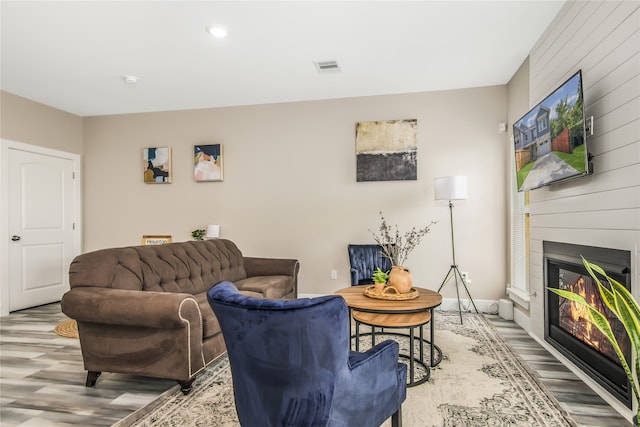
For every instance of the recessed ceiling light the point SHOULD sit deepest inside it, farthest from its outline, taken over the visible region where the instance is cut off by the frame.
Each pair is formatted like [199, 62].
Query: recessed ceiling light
[217, 32]
[130, 80]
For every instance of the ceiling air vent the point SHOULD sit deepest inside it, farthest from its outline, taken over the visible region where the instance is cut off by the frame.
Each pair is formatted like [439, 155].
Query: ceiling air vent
[325, 67]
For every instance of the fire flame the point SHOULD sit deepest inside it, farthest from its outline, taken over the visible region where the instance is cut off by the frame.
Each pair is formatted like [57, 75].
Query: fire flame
[584, 328]
[575, 319]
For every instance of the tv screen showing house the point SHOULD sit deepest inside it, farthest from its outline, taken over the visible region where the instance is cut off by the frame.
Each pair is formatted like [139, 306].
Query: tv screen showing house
[550, 140]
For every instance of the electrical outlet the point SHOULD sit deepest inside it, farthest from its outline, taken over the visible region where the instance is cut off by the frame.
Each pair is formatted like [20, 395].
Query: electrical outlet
[465, 276]
[334, 274]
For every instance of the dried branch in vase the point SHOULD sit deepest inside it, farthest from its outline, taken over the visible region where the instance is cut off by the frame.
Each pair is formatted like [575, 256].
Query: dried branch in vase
[395, 246]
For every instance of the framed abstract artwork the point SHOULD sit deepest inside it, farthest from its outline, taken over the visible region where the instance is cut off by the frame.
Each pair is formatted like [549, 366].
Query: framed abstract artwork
[157, 165]
[386, 150]
[155, 240]
[207, 162]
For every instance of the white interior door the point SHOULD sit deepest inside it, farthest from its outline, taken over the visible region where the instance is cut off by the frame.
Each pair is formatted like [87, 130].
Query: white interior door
[40, 227]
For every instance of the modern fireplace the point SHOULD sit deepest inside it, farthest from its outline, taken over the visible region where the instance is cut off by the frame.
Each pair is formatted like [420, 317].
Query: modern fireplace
[567, 325]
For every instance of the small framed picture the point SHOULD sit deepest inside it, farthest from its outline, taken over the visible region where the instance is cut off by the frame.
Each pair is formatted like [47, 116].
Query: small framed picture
[155, 240]
[207, 161]
[157, 165]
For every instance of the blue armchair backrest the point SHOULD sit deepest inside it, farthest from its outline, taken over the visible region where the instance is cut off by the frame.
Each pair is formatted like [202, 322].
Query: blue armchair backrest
[292, 366]
[364, 260]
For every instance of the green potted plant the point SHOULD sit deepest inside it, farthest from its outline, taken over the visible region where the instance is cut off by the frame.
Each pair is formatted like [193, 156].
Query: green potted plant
[380, 276]
[622, 304]
[380, 279]
[198, 234]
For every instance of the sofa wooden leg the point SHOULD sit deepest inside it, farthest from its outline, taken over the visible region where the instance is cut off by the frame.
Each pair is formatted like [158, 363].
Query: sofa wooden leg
[186, 386]
[92, 377]
[396, 418]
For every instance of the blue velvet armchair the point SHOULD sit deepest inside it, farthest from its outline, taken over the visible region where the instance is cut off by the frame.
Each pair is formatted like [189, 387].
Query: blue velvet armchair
[364, 259]
[292, 365]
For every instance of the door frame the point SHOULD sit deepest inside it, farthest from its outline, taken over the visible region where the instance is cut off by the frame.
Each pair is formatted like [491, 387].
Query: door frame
[5, 146]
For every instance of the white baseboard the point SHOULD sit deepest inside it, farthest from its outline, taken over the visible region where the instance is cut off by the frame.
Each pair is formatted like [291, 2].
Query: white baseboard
[483, 306]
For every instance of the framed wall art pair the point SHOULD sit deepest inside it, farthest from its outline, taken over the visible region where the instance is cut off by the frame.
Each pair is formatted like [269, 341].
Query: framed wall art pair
[207, 164]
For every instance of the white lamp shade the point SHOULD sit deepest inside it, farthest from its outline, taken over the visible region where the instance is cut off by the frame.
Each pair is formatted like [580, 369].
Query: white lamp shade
[451, 188]
[213, 231]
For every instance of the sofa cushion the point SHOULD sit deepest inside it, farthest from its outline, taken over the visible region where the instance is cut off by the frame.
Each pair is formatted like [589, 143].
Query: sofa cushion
[252, 294]
[270, 287]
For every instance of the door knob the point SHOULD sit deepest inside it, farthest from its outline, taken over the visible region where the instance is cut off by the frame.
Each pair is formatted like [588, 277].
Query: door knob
[15, 238]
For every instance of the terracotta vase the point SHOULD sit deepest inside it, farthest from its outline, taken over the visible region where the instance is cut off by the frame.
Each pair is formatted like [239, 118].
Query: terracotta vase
[400, 278]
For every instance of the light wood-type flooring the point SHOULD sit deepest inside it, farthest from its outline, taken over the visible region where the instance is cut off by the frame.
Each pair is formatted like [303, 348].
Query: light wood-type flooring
[42, 378]
[584, 405]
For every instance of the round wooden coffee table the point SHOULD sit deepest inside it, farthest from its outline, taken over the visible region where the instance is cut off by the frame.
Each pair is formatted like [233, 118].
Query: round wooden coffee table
[396, 314]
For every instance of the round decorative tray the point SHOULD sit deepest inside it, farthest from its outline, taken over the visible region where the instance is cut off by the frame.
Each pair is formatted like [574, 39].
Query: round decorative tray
[390, 293]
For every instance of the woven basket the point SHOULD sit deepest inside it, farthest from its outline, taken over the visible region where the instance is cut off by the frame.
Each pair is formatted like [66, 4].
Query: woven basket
[390, 293]
[67, 328]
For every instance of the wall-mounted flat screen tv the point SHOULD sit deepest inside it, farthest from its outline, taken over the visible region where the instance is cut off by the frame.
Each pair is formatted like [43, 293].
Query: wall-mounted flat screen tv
[550, 140]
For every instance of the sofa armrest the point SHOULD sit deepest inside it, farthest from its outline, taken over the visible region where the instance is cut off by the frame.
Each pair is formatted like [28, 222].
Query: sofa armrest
[273, 267]
[131, 308]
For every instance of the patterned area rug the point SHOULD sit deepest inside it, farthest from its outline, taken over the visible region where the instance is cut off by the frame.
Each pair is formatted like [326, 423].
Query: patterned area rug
[480, 382]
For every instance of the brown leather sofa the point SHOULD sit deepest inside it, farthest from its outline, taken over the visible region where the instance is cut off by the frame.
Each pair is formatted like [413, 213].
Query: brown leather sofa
[143, 310]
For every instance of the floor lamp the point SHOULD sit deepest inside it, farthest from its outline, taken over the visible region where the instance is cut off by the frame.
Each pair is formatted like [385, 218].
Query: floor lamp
[453, 188]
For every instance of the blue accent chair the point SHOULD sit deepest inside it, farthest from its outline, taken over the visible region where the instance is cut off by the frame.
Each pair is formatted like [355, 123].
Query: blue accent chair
[364, 260]
[292, 365]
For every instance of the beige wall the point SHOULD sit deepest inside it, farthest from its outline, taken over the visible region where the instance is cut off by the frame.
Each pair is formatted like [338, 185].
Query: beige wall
[29, 122]
[289, 185]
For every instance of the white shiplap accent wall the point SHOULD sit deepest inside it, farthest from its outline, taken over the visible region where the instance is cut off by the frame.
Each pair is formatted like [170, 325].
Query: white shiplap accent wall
[603, 40]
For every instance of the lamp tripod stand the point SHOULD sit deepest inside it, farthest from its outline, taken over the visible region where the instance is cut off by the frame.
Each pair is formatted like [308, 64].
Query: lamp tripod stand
[455, 271]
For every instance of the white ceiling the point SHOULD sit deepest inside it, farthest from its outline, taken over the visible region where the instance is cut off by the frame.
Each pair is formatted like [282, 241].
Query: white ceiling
[73, 55]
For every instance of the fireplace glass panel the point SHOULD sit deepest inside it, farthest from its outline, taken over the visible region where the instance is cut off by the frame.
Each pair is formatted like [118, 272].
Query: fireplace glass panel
[567, 326]
[575, 320]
